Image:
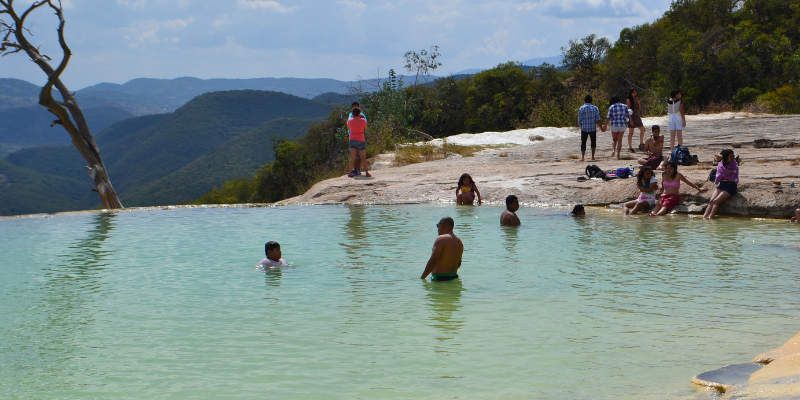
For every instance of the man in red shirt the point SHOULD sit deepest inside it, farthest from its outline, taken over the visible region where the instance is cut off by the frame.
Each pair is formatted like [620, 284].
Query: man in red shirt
[358, 144]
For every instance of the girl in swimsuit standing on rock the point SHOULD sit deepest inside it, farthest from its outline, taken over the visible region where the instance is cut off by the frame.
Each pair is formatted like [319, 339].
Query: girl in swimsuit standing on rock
[468, 191]
[671, 182]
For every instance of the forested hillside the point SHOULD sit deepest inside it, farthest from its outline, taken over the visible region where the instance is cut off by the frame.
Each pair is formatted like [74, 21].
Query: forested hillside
[714, 51]
[232, 129]
[30, 125]
[23, 191]
[722, 54]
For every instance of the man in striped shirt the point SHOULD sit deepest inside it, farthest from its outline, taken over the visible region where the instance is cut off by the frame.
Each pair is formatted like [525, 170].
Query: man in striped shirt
[589, 120]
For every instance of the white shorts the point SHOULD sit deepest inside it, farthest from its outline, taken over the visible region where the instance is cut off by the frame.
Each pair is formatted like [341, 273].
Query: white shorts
[619, 128]
[674, 122]
[650, 202]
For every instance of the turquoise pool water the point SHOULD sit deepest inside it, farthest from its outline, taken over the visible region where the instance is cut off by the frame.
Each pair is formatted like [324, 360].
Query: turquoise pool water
[167, 304]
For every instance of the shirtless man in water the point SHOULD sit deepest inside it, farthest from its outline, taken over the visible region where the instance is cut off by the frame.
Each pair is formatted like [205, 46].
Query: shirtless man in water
[446, 256]
[509, 216]
[654, 149]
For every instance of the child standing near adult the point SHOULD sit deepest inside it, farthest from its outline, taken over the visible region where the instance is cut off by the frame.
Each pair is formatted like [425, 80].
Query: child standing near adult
[468, 191]
[358, 144]
[727, 181]
[618, 120]
[647, 184]
[671, 182]
[676, 119]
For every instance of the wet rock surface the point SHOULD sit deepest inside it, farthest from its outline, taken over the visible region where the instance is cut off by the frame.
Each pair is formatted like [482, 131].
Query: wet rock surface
[546, 172]
[724, 378]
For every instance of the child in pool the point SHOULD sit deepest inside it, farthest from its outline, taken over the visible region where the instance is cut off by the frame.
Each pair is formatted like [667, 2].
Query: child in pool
[273, 250]
[578, 211]
[468, 191]
[647, 184]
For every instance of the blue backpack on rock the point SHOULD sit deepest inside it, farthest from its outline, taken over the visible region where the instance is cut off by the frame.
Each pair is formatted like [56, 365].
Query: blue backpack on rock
[681, 156]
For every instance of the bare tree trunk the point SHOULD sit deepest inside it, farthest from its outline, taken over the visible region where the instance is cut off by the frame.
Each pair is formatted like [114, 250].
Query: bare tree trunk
[65, 111]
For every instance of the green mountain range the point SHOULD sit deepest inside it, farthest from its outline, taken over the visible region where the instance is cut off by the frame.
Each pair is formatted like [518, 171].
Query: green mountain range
[176, 157]
[24, 191]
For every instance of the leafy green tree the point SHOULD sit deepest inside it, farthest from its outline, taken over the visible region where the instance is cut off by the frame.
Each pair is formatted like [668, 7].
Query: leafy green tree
[585, 54]
[422, 63]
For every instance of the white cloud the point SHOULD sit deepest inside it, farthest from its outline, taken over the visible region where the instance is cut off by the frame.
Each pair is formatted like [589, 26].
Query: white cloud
[569, 9]
[531, 43]
[133, 4]
[352, 4]
[268, 5]
[148, 32]
[493, 45]
[528, 6]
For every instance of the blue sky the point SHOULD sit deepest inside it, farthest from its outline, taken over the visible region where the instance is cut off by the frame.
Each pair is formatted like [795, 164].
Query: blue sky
[119, 40]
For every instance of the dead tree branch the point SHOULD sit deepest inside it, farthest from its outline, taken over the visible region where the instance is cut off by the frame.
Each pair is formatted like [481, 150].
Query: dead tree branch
[68, 112]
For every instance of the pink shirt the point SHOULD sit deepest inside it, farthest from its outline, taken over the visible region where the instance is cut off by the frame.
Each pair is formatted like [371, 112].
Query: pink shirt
[357, 126]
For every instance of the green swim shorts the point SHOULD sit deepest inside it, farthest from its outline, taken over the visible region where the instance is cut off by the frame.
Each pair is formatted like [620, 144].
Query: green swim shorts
[443, 277]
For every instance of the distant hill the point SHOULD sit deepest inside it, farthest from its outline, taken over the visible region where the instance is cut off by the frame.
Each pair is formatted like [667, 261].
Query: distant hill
[23, 191]
[16, 93]
[30, 125]
[213, 138]
[535, 62]
[170, 94]
[238, 157]
[336, 99]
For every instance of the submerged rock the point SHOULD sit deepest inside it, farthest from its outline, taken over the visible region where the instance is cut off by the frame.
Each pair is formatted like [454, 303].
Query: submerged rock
[724, 378]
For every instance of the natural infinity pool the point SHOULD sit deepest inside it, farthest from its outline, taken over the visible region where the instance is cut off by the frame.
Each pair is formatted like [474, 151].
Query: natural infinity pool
[167, 304]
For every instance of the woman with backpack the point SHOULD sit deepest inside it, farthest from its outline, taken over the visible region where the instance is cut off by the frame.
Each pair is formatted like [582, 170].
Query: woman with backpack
[727, 181]
[647, 184]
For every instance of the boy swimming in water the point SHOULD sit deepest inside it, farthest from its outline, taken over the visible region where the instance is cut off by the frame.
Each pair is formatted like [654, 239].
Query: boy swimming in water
[578, 211]
[273, 251]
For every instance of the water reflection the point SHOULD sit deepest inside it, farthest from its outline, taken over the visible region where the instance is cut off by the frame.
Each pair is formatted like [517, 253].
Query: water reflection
[68, 310]
[273, 277]
[356, 235]
[444, 299]
[511, 236]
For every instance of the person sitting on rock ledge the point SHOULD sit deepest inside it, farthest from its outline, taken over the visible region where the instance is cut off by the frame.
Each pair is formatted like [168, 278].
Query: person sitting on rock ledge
[671, 182]
[727, 181]
[647, 184]
[509, 216]
[654, 149]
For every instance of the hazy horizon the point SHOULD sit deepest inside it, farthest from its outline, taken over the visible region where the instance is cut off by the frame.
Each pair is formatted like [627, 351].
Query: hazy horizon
[342, 40]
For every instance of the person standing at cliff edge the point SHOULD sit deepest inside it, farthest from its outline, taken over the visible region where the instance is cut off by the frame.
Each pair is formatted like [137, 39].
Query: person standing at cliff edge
[357, 163]
[357, 142]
